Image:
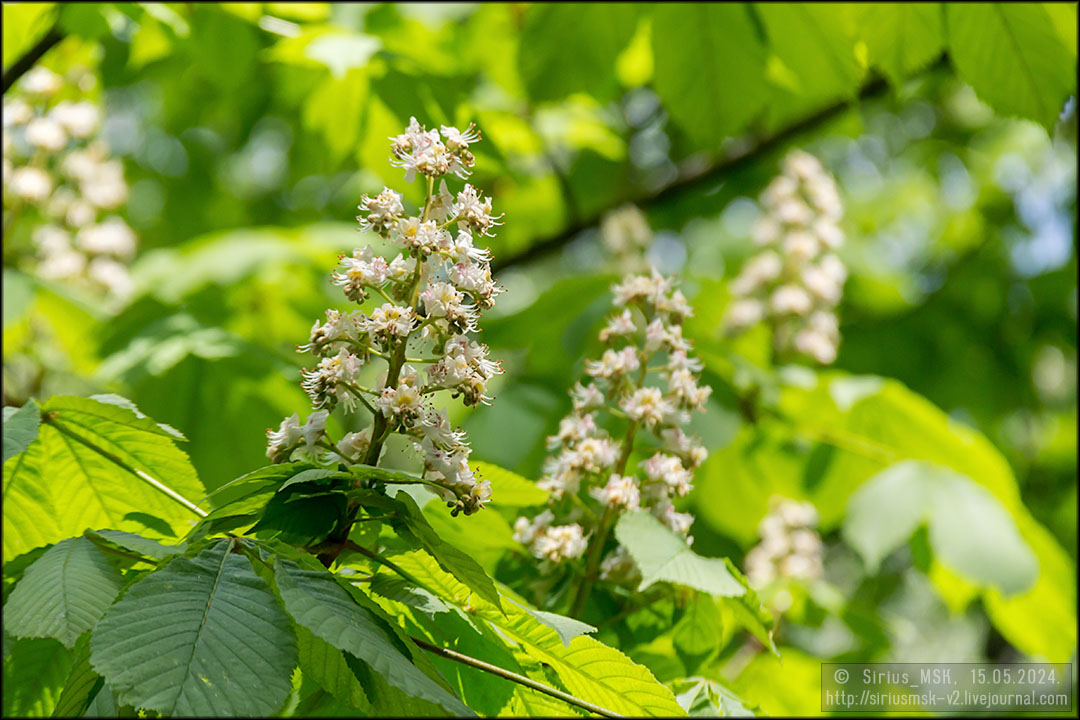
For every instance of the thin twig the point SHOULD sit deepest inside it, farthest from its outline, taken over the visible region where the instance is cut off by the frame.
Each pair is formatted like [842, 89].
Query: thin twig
[18, 68]
[700, 180]
[514, 677]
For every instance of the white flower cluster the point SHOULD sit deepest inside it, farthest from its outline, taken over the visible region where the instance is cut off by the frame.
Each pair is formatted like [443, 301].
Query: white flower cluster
[590, 467]
[431, 295]
[796, 281]
[626, 234]
[790, 547]
[54, 163]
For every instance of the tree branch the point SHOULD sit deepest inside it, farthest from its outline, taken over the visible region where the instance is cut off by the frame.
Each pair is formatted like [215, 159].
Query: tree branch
[514, 677]
[700, 179]
[24, 63]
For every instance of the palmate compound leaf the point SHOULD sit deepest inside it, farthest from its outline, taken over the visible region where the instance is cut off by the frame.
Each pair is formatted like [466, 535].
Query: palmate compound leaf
[1013, 57]
[94, 464]
[588, 669]
[315, 601]
[326, 665]
[970, 531]
[64, 593]
[661, 555]
[201, 636]
[450, 558]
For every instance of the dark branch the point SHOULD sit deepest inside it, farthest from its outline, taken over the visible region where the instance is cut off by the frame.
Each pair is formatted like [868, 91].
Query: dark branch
[702, 179]
[24, 63]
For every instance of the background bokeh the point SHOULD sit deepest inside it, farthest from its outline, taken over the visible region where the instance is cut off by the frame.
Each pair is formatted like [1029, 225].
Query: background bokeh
[249, 131]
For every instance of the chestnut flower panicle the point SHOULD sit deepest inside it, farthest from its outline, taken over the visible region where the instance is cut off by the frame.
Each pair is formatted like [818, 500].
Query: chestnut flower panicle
[646, 381]
[796, 281]
[56, 167]
[426, 302]
[790, 546]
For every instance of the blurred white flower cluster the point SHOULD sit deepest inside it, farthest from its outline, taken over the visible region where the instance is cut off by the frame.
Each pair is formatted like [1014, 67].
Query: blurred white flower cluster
[646, 381]
[428, 299]
[796, 281]
[626, 234]
[55, 163]
[790, 546]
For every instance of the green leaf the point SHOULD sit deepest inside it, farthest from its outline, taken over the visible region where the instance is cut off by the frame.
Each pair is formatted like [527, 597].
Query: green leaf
[813, 41]
[325, 664]
[660, 554]
[700, 629]
[20, 428]
[510, 489]
[572, 48]
[1013, 57]
[316, 602]
[702, 697]
[82, 684]
[970, 532]
[587, 668]
[450, 558]
[200, 636]
[34, 675]
[300, 521]
[901, 38]
[91, 465]
[567, 627]
[709, 68]
[64, 593]
[137, 544]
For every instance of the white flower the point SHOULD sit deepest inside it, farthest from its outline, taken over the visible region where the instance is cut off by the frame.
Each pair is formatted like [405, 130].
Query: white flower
[649, 288]
[474, 212]
[383, 210]
[828, 232]
[621, 491]
[328, 383]
[561, 543]
[17, 112]
[458, 140]
[389, 321]
[790, 299]
[765, 231]
[353, 446]
[586, 397]
[111, 275]
[105, 186]
[30, 183]
[401, 268]
[572, 429]
[614, 363]
[648, 405]
[667, 469]
[821, 284]
[46, 133]
[618, 326]
[801, 245]
[403, 402]
[745, 312]
[80, 119]
[595, 454]
[62, 265]
[280, 440]
[435, 427]
[112, 237]
[52, 239]
[41, 81]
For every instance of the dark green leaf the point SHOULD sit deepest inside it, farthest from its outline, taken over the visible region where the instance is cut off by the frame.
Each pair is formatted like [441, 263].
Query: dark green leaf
[200, 636]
